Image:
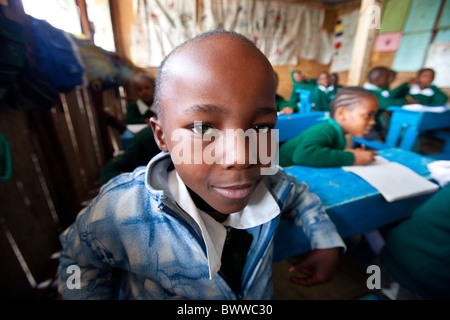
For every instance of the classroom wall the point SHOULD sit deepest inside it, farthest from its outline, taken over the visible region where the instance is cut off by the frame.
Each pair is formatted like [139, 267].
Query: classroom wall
[310, 68]
[125, 17]
[387, 59]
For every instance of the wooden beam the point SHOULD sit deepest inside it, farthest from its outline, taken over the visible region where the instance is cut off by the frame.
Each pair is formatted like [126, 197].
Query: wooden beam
[84, 20]
[364, 40]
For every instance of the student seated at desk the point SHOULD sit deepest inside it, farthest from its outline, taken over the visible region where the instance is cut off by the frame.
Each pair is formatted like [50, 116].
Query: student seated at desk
[352, 110]
[421, 90]
[333, 82]
[378, 83]
[283, 106]
[142, 110]
[142, 150]
[322, 94]
[300, 81]
[193, 229]
[416, 254]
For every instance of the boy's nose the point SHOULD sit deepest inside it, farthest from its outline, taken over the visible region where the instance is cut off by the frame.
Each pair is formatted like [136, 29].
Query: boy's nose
[238, 152]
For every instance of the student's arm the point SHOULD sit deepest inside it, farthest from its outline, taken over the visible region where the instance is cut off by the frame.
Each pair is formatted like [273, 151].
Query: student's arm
[316, 150]
[84, 254]
[401, 91]
[439, 97]
[305, 209]
[389, 102]
[294, 99]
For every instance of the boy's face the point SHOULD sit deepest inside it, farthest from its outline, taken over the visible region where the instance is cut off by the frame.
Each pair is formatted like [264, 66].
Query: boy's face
[332, 80]
[322, 79]
[426, 78]
[144, 90]
[299, 76]
[382, 80]
[358, 120]
[214, 85]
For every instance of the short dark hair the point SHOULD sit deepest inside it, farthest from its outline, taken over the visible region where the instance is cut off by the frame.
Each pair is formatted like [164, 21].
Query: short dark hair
[376, 72]
[160, 73]
[146, 76]
[423, 70]
[348, 97]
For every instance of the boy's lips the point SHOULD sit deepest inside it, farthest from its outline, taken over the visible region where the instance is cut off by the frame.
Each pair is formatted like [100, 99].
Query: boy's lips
[235, 192]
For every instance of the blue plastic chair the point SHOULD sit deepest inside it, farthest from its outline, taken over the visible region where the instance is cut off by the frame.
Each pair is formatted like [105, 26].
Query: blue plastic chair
[305, 100]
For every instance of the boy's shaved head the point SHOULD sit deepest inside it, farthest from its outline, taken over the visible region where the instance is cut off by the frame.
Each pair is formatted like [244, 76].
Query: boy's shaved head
[208, 89]
[188, 59]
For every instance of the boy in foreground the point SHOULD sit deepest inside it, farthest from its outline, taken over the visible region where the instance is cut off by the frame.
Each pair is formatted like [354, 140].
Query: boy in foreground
[186, 227]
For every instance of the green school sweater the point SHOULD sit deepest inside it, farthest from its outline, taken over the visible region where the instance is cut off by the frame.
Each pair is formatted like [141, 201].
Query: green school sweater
[417, 251]
[320, 99]
[385, 100]
[309, 85]
[281, 103]
[134, 116]
[138, 154]
[321, 145]
[439, 98]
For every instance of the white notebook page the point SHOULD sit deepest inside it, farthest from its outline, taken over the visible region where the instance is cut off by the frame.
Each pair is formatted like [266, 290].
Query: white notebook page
[393, 180]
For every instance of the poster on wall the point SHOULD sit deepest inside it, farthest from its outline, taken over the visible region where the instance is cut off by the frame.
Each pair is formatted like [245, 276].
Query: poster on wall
[345, 30]
[444, 21]
[422, 15]
[394, 15]
[411, 54]
[437, 58]
[388, 42]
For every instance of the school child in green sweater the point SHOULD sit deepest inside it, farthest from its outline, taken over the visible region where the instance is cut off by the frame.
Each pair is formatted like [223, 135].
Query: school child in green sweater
[416, 255]
[333, 83]
[352, 111]
[322, 94]
[378, 83]
[421, 90]
[300, 81]
[283, 106]
[142, 110]
[141, 151]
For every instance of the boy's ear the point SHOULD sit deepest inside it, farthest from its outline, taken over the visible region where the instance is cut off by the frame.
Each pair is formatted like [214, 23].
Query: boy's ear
[158, 133]
[340, 113]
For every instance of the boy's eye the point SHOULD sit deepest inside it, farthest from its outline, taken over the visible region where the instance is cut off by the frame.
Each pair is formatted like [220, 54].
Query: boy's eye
[263, 128]
[200, 128]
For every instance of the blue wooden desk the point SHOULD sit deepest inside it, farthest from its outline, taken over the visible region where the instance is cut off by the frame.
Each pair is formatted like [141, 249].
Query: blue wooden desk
[351, 203]
[291, 125]
[406, 126]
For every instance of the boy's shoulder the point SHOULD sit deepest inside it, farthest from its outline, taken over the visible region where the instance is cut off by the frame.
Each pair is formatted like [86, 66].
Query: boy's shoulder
[322, 127]
[124, 181]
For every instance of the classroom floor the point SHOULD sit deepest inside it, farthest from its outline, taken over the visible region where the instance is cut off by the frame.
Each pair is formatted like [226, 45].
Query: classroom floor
[348, 282]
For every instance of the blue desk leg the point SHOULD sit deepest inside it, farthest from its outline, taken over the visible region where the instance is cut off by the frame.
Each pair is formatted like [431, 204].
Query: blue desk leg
[409, 138]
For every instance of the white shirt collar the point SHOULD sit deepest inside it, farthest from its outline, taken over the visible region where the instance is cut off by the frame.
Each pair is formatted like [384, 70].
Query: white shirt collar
[322, 88]
[415, 89]
[371, 86]
[143, 107]
[261, 209]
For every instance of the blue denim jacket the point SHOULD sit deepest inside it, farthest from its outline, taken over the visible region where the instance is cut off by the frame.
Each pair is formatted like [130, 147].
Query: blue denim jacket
[134, 242]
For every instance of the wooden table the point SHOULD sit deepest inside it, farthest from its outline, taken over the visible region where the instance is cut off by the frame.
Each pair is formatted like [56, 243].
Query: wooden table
[351, 203]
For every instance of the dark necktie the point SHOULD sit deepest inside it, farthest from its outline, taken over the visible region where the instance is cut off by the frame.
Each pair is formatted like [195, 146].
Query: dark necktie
[234, 254]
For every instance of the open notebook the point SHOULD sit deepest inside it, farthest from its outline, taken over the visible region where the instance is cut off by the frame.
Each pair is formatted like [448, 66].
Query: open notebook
[393, 180]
